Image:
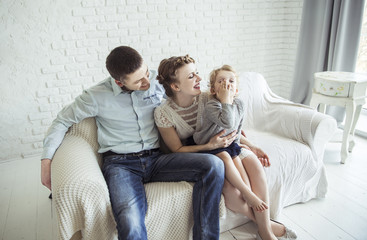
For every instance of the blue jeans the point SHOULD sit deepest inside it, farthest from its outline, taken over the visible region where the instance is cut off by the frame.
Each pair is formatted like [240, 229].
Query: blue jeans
[125, 177]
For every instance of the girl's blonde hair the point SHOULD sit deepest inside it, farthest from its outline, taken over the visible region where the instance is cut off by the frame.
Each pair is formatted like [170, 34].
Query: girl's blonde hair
[213, 74]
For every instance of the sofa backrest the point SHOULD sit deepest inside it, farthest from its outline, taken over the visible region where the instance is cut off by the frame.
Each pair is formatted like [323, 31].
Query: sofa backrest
[252, 90]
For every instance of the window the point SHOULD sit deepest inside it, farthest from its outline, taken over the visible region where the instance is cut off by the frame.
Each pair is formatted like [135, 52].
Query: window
[361, 67]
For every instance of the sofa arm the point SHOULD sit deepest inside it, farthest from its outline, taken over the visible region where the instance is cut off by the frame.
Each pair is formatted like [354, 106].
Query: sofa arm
[300, 123]
[79, 191]
[323, 128]
[86, 129]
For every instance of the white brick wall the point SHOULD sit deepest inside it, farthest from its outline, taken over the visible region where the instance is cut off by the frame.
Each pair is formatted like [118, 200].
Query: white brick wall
[50, 51]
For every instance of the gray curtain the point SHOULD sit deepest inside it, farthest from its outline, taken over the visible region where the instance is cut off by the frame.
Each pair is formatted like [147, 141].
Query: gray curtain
[328, 41]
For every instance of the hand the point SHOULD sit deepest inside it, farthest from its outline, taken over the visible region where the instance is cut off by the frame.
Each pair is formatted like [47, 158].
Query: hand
[218, 141]
[261, 155]
[225, 93]
[46, 172]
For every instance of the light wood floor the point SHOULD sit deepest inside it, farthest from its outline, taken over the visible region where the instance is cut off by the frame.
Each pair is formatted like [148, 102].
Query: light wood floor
[25, 210]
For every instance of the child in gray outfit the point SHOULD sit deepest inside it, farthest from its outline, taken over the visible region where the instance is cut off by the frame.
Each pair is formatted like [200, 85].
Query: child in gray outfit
[225, 111]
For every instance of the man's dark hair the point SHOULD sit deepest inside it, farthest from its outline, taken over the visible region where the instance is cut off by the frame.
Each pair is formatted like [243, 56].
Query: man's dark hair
[123, 60]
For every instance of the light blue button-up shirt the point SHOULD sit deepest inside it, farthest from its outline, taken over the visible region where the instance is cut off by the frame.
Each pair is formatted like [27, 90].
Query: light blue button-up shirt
[125, 120]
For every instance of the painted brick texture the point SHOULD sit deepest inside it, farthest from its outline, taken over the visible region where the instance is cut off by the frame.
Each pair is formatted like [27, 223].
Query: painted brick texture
[51, 51]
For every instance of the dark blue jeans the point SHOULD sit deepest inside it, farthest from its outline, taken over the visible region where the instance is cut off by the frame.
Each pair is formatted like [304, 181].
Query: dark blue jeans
[125, 177]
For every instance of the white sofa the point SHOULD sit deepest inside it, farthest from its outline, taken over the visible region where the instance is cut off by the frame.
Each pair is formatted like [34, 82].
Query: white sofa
[293, 135]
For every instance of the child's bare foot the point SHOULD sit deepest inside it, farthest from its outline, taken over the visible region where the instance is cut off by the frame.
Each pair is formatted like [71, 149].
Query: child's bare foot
[255, 202]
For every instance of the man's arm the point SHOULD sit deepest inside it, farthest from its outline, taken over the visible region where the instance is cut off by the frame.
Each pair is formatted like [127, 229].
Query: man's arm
[46, 172]
[83, 107]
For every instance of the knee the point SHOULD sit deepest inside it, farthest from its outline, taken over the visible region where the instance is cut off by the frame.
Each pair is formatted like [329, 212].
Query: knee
[253, 162]
[214, 165]
[225, 157]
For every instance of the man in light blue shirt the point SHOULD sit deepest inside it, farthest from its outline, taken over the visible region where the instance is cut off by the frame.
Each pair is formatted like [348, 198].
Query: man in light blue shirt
[123, 106]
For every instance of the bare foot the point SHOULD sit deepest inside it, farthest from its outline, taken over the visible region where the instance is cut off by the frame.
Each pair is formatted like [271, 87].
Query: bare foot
[255, 202]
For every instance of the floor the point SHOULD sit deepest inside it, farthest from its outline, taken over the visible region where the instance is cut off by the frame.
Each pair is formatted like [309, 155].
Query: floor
[25, 210]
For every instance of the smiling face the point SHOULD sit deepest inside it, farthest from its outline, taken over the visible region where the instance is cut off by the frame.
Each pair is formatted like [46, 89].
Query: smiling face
[188, 81]
[227, 78]
[138, 80]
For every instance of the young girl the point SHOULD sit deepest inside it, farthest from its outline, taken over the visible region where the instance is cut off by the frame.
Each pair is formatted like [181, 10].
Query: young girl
[224, 111]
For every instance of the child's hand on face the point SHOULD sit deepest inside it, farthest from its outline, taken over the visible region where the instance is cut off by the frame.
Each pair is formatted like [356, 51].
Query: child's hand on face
[225, 93]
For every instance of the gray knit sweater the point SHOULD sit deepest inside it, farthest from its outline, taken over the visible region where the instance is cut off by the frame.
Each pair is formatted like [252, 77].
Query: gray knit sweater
[218, 116]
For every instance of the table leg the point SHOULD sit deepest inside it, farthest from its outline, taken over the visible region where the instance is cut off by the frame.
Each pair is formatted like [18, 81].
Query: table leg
[314, 103]
[322, 108]
[317, 104]
[352, 130]
[350, 110]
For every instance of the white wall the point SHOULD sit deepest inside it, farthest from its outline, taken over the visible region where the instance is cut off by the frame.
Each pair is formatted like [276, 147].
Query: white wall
[51, 50]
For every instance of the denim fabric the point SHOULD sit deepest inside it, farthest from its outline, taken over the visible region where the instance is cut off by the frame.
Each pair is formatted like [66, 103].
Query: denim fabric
[125, 177]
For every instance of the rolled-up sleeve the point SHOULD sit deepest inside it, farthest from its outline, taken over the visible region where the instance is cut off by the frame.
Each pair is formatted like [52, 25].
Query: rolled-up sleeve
[83, 107]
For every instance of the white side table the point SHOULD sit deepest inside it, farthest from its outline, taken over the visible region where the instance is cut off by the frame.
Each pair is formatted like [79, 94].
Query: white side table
[344, 89]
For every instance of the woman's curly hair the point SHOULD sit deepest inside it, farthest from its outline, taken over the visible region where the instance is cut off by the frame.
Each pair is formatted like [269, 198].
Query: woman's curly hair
[167, 71]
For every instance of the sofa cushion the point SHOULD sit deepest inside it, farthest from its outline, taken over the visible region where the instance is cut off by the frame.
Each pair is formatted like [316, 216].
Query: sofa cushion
[294, 175]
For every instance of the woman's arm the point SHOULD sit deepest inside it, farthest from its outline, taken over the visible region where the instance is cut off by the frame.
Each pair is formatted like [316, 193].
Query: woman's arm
[174, 143]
